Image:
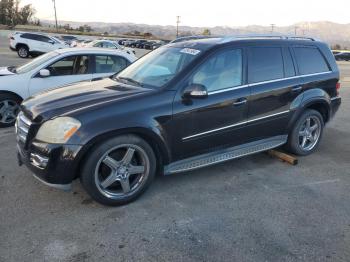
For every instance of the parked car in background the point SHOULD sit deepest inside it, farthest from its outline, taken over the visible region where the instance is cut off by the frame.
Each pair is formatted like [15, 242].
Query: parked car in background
[158, 44]
[181, 107]
[52, 70]
[26, 44]
[111, 45]
[149, 45]
[129, 42]
[67, 38]
[139, 43]
[342, 56]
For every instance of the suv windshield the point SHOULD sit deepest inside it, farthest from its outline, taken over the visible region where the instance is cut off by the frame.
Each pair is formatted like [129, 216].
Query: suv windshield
[158, 67]
[36, 62]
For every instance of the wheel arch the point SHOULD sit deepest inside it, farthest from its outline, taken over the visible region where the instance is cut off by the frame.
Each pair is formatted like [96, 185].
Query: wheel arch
[21, 44]
[11, 93]
[156, 143]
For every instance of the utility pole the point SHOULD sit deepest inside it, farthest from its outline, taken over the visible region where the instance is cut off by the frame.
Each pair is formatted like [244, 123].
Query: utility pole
[54, 6]
[177, 26]
[295, 30]
[272, 27]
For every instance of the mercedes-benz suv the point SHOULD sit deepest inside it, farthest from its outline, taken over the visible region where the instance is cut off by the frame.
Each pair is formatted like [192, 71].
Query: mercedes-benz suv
[183, 106]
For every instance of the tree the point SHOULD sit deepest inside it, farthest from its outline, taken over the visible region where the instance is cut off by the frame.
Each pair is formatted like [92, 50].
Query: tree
[206, 32]
[336, 47]
[11, 14]
[87, 28]
[147, 35]
[81, 28]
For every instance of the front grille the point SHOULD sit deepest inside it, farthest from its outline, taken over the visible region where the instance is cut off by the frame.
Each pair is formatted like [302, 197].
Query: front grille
[22, 127]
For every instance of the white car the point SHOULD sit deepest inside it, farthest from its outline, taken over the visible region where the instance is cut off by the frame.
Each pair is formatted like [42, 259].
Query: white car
[26, 44]
[55, 69]
[111, 45]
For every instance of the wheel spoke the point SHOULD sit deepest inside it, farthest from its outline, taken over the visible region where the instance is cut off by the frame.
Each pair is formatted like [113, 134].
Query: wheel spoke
[109, 180]
[125, 185]
[302, 133]
[128, 156]
[136, 170]
[4, 118]
[314, 127]
[303, 142]
[111, 163]
[308, 123]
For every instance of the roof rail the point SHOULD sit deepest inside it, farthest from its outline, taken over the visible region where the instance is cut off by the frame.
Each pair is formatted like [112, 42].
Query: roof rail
[262, 36]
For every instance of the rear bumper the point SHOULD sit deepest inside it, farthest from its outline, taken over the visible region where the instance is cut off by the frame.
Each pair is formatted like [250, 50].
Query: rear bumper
[12, 48]
[335, 104]
[53, 164]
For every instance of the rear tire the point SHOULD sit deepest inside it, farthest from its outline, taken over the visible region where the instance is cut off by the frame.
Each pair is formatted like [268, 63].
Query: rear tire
[306, 134]
[23, 51]
[9, 108]
[118, 170]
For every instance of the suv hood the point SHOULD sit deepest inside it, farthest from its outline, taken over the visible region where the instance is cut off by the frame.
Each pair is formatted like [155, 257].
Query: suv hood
[78, 96]
[4, 71]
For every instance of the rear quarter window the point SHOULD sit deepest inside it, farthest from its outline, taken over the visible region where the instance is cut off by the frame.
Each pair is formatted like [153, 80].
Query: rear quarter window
[310, 60]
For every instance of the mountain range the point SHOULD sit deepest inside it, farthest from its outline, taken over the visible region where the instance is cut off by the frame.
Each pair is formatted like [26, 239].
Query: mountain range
[330, 32]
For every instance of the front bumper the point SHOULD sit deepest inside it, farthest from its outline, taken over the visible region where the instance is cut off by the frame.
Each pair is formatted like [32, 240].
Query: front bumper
[55, 165]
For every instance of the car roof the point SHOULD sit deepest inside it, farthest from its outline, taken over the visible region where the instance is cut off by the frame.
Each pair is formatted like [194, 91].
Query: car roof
[91, 50]
[206, 43]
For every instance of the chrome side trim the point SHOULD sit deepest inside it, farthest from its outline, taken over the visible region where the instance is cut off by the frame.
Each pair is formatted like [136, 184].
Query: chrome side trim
[266, 82]
[227, 89]
[64, 187]
[237, 124]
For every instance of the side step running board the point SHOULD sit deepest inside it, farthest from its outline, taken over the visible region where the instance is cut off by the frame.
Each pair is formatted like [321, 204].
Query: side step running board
[224, 155]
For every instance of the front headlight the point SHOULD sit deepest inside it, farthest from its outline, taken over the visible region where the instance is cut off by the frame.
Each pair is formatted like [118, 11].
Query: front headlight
[58, 131]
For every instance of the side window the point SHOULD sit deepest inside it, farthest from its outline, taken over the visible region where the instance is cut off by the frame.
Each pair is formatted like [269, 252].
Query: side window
[310, 60]
[110, 64]
[265, 63]
[289, 69]
[223, 70]
[42, 38]
[71, 65]
[108, 45]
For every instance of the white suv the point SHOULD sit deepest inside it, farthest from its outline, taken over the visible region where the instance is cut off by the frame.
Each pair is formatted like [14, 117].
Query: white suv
[34, 44]
[53, 70]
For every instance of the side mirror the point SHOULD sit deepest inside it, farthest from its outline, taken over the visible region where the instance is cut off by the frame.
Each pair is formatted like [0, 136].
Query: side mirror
[44, 73]
[51, 42]
[195, 91]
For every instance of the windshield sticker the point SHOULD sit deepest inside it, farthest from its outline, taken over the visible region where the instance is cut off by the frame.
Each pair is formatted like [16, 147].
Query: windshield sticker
[190, 51]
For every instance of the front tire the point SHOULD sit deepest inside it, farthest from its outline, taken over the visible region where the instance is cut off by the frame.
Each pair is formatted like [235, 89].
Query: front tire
[9, 108]
[23, 51]
[306, 133]
[119, 170]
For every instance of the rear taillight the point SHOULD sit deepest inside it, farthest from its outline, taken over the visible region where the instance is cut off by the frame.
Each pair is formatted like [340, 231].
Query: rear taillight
[337, 86]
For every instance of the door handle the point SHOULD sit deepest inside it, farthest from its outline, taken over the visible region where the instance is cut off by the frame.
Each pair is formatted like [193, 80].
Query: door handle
[297, 89]
[240, 101]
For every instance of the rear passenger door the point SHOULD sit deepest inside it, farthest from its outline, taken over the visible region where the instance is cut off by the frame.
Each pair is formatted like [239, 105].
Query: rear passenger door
[273, 85]
[107, 65]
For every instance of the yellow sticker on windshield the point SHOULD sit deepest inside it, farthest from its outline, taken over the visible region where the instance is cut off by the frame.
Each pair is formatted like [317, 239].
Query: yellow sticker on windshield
[190, 51]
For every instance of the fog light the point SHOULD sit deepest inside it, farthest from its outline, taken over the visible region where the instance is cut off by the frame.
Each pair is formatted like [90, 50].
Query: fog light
[38, 161]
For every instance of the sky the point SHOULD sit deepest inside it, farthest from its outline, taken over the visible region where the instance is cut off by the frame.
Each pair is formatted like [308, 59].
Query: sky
[196, 13]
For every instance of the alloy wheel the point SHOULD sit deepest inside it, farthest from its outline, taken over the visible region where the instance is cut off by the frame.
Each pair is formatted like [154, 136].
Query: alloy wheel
[23, 52]
[309, 133]
[121, 171]
[8, 111]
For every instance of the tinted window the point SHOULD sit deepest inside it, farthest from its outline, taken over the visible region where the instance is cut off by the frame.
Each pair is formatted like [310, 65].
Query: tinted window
[42, 38]
[71, 65]
[221, 71]
[110, 64]
[28, 36]
[265, 63]
[289, 69]
[310, 60]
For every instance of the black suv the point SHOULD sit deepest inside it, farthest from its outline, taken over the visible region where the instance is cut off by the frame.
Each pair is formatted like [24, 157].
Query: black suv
[183, 106]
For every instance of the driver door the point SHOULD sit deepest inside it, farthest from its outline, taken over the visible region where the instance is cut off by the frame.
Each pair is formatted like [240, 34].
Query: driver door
[68, 70]
[218, 120]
